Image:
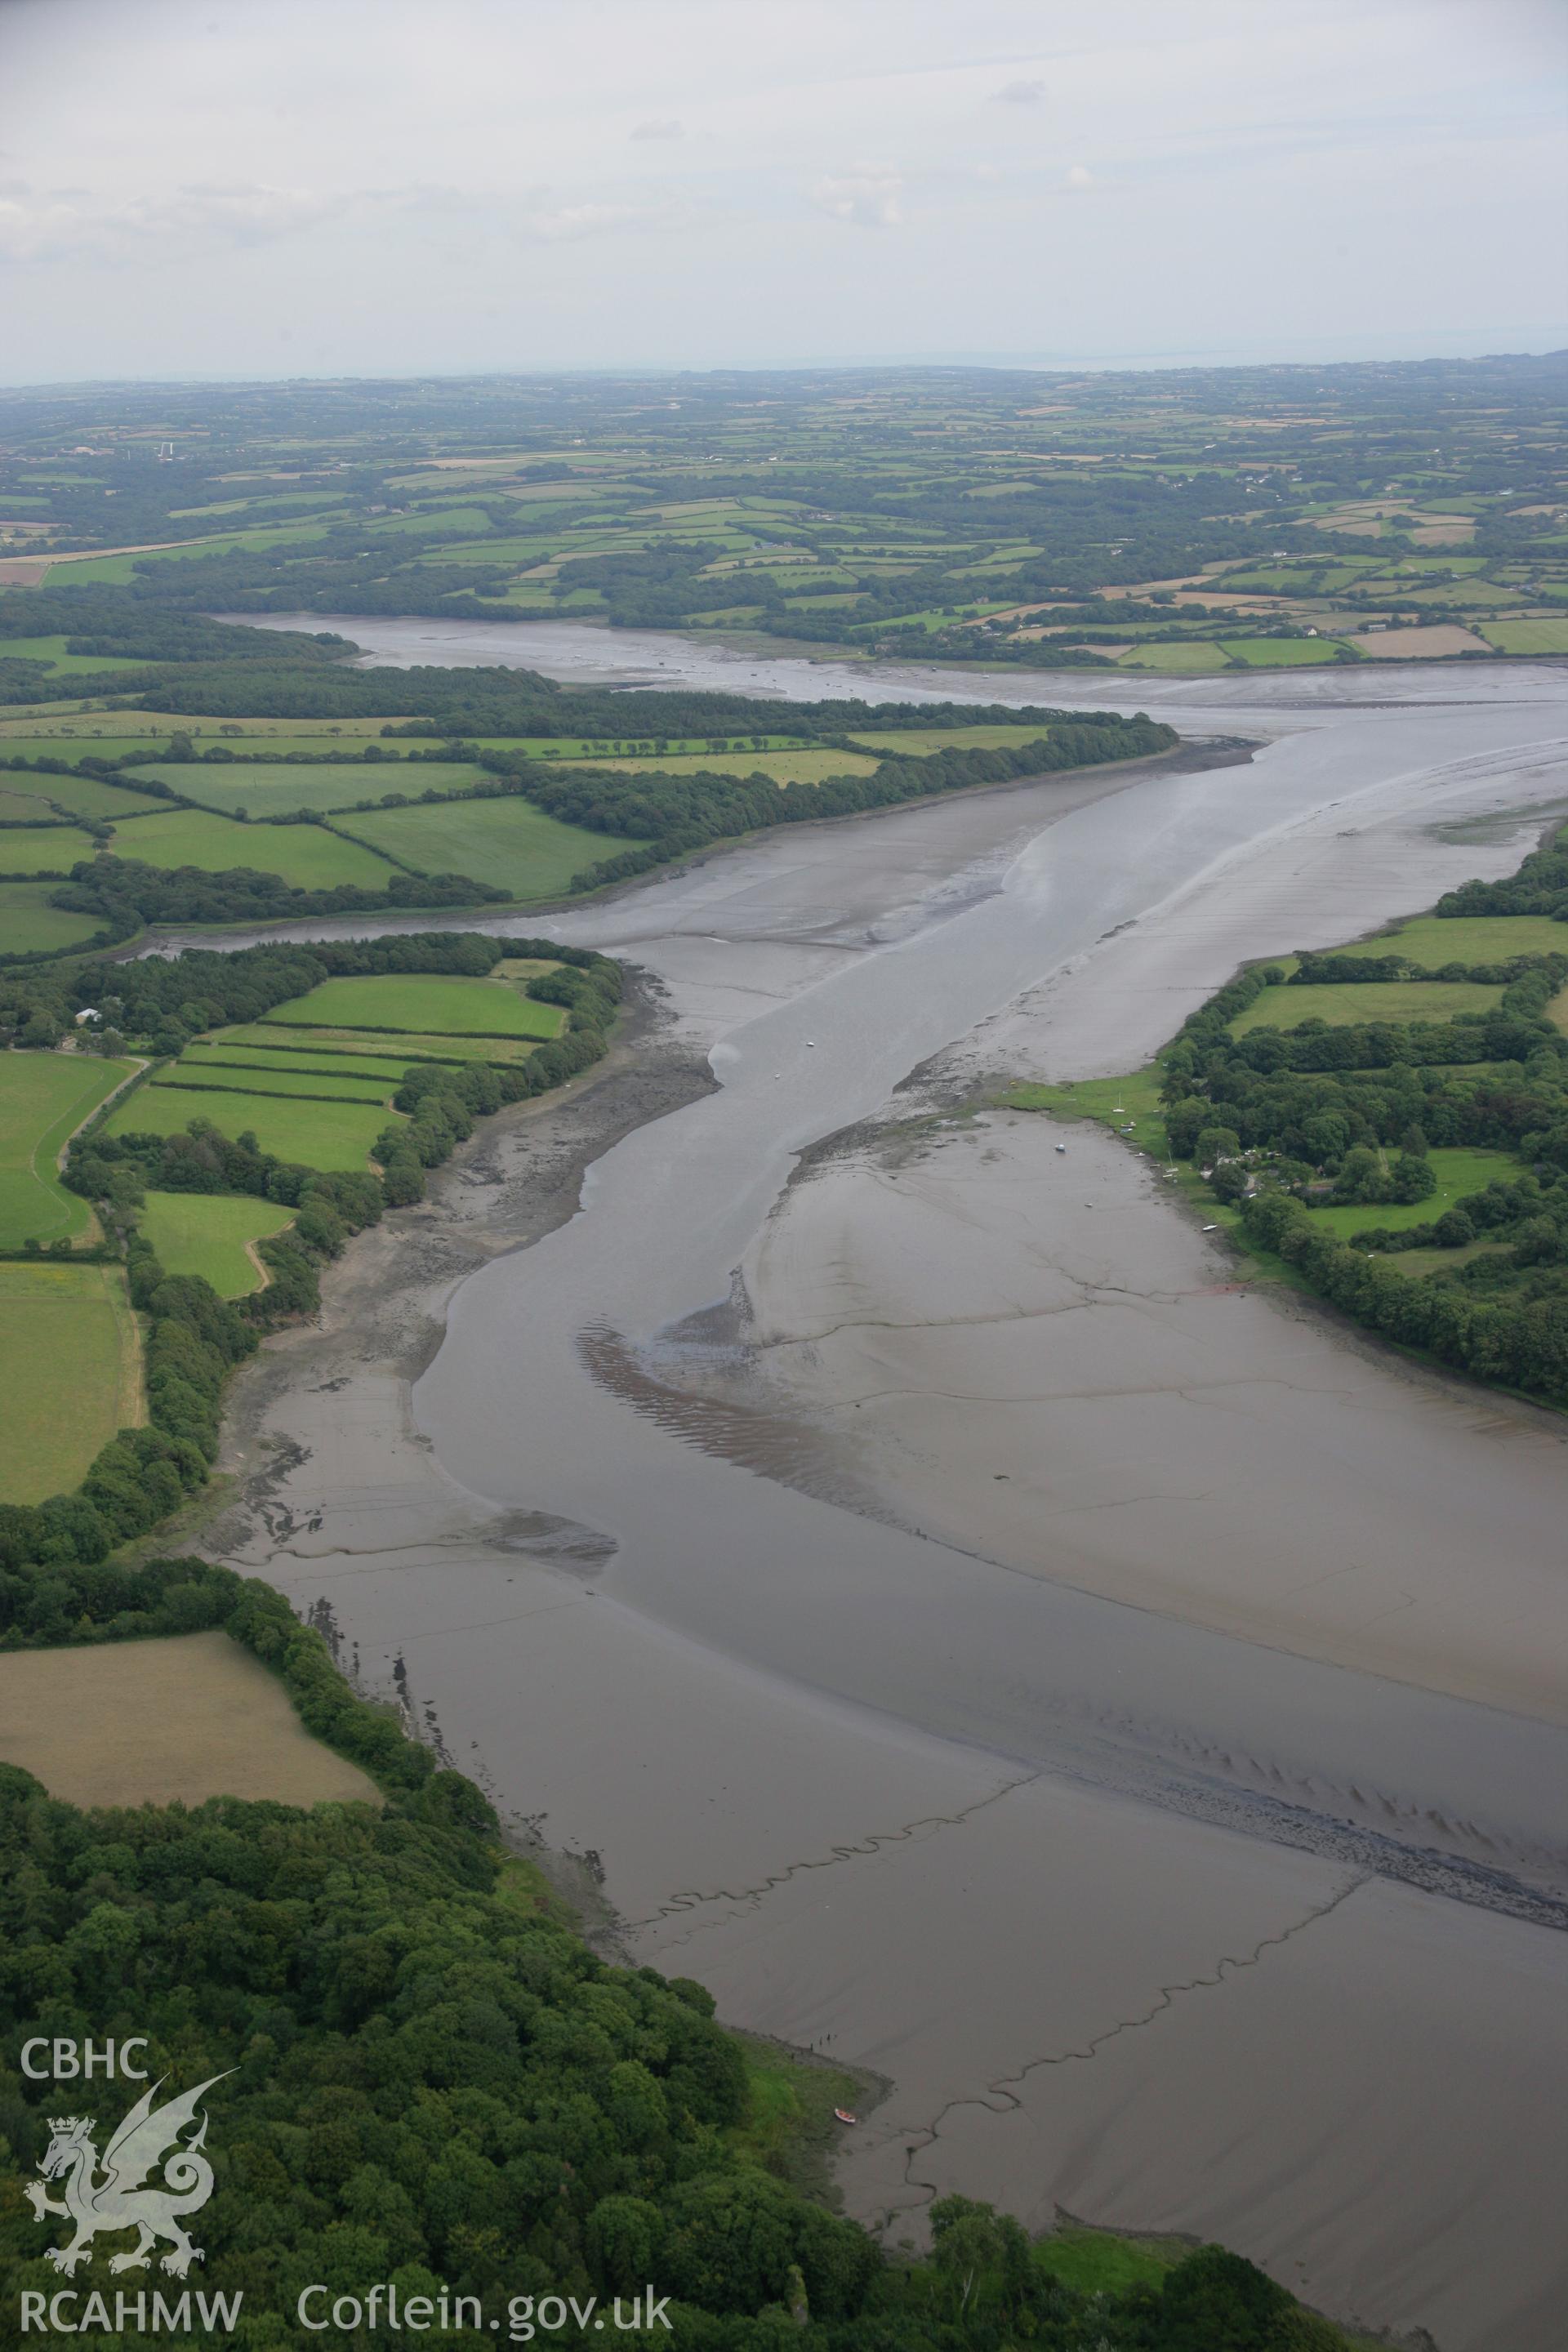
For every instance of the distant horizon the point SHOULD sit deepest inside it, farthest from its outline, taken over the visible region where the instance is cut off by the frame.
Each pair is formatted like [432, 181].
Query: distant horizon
[994, 362]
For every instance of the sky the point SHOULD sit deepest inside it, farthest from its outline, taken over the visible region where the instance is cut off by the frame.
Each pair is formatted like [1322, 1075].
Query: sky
[265, 188]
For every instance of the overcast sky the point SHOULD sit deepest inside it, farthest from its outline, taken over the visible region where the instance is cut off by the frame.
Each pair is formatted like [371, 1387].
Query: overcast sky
[329, 187]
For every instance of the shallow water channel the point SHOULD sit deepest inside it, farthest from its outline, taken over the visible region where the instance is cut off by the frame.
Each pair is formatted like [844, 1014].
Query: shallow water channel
[1140, 1899]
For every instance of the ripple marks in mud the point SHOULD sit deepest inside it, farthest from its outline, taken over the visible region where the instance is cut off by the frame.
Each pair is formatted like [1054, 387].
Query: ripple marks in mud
[755, 1439]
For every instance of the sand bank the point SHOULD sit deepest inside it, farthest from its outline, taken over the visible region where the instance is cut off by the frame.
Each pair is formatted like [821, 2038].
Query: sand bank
[1029, 1358]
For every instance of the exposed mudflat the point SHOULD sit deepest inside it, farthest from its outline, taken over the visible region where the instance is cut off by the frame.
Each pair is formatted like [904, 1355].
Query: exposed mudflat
[1146, 1830]
[1019, 1359]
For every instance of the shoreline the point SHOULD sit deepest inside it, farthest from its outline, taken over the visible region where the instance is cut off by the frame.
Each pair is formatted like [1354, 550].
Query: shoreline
[1195, 754]
[754, 645]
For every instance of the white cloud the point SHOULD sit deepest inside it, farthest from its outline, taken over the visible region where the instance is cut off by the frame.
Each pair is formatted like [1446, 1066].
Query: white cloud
[38, 223]
[210, 186]
[550, 224]
[659, 130]
[866, 196]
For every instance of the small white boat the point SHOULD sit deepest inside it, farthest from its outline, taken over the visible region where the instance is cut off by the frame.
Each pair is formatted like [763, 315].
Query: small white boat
[1209, 1229]
[845, 2116]
[811, 1045]
[1061, 1146]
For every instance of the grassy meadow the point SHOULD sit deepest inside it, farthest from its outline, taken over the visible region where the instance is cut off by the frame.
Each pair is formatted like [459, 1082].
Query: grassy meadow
[209, 1234]
[314, 1045]
[1433, 940]
[52, 650]
[225, 1051]
[316, 1134]
[800, 766]
[920, 742]
[69, 1373]
[30, 926]
[1540, 636]
[42, 849]
[506, 842]
[278, 788]
[1280, 653]
[75, 795]
[44, 1098]
[1363, 1001]
[237, 1077]
[305, 856]
[1458, 1172]
[422, 1005]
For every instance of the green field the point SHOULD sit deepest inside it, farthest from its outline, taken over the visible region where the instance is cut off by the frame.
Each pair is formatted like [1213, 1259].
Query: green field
[807, 766]
[73, 733]
[1433, 940]
[1361, 1001]
[918, 742]
[30, 926]
[44, 1098]
[116, 570]
[81, 795]
[1457, 1173]
[277, 788]
[330, 1044]
[42, 848]
[226, 1051]
[422, 1005]
[1527, 636]
[53, 651]
[599, 750]
[304, 854]
[37, 737]
[318, 1085]
[206, 1233]
[1272, 652]
[1197, 655]
[506, 842]
[314, 1134]
[69, 1373]
[455, 518]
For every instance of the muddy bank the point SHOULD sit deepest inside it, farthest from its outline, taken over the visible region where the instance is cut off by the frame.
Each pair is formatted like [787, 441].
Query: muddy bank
[383, 1316]
[1010, 1353]
[956, 827]
[583, 652]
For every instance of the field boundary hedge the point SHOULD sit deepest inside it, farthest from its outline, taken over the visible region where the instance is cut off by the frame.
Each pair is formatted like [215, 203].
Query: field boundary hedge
[196, 1337]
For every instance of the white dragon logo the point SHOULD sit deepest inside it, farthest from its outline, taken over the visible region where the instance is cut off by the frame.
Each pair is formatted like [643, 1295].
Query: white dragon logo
[116, 2200]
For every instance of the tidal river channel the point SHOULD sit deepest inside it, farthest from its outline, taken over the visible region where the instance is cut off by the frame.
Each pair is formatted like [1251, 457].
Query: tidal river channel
[935, 1604]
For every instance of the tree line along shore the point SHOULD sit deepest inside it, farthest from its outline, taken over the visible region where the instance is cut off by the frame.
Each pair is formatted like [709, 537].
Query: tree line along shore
[1386, 1124]
[279, 788]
